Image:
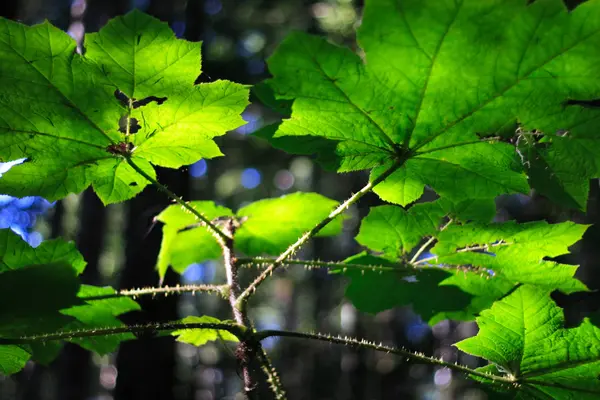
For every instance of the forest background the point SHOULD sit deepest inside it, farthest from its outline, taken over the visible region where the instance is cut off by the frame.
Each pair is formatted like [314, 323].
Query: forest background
[120, 242]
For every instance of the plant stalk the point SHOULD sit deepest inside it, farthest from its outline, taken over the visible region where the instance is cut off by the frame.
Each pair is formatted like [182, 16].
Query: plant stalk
[361, 343]
[247, 347]
[163, 290]
[237, 330]
[219, 234]
[243, 298]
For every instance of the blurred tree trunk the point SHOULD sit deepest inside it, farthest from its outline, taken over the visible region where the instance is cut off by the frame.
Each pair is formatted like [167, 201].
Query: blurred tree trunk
[74, 363]
[146, 366]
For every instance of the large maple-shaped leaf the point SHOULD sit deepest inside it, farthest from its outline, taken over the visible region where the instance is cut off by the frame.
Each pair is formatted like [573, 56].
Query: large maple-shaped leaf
[438, 82]
[483, 261]
[267, 226]
[75, 117]
[524, 338]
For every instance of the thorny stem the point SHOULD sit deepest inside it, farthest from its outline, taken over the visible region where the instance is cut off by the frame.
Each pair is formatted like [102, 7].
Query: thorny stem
[219, 234]
[427, 244]
[272, 375]
[237, 330]
[243, 298]
[464, 250]
[164, 290]
[361, 343]
[248, 346]
[311, 264]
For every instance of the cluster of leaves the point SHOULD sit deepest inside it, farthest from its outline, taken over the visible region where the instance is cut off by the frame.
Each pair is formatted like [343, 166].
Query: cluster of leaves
[471, 99]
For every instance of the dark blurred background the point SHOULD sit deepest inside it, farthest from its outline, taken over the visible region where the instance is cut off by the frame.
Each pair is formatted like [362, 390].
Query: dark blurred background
[237, 37]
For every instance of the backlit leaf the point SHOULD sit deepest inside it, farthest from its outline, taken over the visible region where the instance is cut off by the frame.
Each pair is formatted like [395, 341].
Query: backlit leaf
[200, 336]
[442, 86]
[524, 338]
[67, 113]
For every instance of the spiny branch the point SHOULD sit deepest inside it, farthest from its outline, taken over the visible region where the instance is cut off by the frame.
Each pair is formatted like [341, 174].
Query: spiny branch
[304, 238]
[248, 347]
[212, 228]
[428, 243]
[364, 344]
[163, 290]
[237, 330]
[485, 247]
[272, 375]
[337, 265]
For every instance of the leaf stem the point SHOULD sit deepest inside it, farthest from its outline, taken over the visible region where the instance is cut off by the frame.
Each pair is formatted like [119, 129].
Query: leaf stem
[427, 244]
[243, 298]
[485, 247]
[164, 290]
[450, 146]
[248, 346]
[364, 344]
[219, 234]
[235, 329]
[312, 264]
[272, 375]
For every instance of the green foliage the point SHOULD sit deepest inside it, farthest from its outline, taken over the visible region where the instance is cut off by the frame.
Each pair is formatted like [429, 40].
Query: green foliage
[16, 253]
[470, 266]
[524, 339]
[76, 118]
[199, 337]
[267, 227]
[40, 294]
[443, 85]
[180, 248]
[472, 99]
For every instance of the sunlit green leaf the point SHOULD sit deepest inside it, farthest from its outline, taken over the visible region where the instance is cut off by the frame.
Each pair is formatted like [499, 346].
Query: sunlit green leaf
[523, 335]
[200, 336]
[67, 113]
[442, 85]
[274, 224]
[180, 246]
[267, 226]
[470, 266]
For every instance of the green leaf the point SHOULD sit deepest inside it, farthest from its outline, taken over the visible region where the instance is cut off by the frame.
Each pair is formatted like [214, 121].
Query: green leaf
[99, 313]
[31, 297]
[375, 291]
[40, 293]
[394, 231]
[469, 79]
[470, 266]
[267, 227]
[13, 358]
[199, 337]
[67, 113]
[560, 167]
[274, 224]
[514, 251]
[16, 253]
[180, 248]
[524, 336]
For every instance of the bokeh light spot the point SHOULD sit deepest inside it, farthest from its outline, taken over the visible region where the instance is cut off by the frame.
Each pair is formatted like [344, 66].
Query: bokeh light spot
[198, 169]
[250, 178]
[284, 179]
